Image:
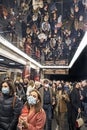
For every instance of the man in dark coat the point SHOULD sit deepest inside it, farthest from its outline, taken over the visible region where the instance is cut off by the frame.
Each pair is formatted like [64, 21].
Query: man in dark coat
[75, 105]
[84, 95]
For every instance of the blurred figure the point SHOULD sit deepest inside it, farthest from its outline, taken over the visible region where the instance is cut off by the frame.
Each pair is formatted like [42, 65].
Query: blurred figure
[46, 95]
[84, 97]
[6, 78]
[61, 108]
[30, 87]
[26, 84]
[75, 105]
[20, 91]
[37, 85]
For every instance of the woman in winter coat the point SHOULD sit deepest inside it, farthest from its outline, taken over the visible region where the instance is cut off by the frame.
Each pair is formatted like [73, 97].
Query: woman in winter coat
[10, 106]
[33, 116]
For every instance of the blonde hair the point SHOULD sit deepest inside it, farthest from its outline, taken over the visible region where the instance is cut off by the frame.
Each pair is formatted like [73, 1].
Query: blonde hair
[31, 83]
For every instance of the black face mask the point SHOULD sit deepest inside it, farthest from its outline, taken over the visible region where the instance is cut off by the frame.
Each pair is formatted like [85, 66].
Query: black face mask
[17, 84]
[59, 88]
[25, 83]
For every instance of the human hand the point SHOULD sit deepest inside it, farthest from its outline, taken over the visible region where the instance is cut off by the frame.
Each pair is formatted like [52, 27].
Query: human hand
[25, 124]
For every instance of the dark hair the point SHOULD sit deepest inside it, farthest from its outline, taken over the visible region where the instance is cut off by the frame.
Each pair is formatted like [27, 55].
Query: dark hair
[10, 84]
[46, 81]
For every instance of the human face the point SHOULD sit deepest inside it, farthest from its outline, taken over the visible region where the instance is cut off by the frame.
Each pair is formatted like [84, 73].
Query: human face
[5, 88]
[77, 85]
[5, 85]
[34, 94]
[32, 98]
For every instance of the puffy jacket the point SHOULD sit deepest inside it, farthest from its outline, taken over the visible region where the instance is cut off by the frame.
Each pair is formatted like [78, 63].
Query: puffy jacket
[9, 114]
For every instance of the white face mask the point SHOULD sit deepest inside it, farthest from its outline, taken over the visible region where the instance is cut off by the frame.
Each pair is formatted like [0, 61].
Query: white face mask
[31, 100]
[5, 90]
[46, 85]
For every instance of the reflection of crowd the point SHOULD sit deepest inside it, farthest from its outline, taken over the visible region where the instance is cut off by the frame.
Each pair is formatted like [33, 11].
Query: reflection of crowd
[49, 33]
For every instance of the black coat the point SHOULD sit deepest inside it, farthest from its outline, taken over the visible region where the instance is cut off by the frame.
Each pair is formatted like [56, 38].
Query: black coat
[75, 104]
[9, 114]
[84, 94]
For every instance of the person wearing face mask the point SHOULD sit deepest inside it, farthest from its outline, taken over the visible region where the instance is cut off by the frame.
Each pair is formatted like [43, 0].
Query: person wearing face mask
[47, 102]
[9, 108]
[32, 116]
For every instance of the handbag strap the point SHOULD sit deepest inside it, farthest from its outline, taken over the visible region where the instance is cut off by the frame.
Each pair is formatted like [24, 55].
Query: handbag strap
[79, 115]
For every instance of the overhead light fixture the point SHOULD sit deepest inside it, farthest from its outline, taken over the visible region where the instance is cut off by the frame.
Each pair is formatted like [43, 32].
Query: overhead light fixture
[1, 59]
[12, 63]
[18, 51]
[7, 54]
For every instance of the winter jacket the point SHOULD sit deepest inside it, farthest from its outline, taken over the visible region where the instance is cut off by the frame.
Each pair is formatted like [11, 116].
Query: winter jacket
[36, 120]
[8, 113]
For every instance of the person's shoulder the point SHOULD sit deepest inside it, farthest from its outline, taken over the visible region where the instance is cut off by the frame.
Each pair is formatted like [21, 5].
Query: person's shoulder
[41, 113]
[41, 89]
[42, 110]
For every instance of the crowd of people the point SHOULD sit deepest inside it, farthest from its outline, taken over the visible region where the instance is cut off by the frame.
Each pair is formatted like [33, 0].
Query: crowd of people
[28, 104]
[46, 30]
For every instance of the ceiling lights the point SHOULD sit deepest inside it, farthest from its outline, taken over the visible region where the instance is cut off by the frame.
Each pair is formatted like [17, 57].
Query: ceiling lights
[1, 59]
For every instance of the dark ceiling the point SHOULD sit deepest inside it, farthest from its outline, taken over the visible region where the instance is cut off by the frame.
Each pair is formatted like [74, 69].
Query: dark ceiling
[79, 68]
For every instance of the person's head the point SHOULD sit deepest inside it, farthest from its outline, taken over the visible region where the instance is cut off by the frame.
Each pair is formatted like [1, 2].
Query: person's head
[84, 83]
[31, 83]
[60, 87]
[26, 81]
[37, 84]
[46, 83]
[34, 99]
[76, 85]
[21, 80]
[7, 87]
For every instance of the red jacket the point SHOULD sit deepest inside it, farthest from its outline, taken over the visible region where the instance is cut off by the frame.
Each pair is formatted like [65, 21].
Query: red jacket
[36, 120]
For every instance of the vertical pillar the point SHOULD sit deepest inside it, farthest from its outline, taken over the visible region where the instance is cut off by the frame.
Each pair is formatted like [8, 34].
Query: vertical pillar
[37, 74]
[42, 74]
[26, 72]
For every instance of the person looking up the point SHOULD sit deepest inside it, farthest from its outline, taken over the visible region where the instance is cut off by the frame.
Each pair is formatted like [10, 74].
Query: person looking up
[33, 116]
